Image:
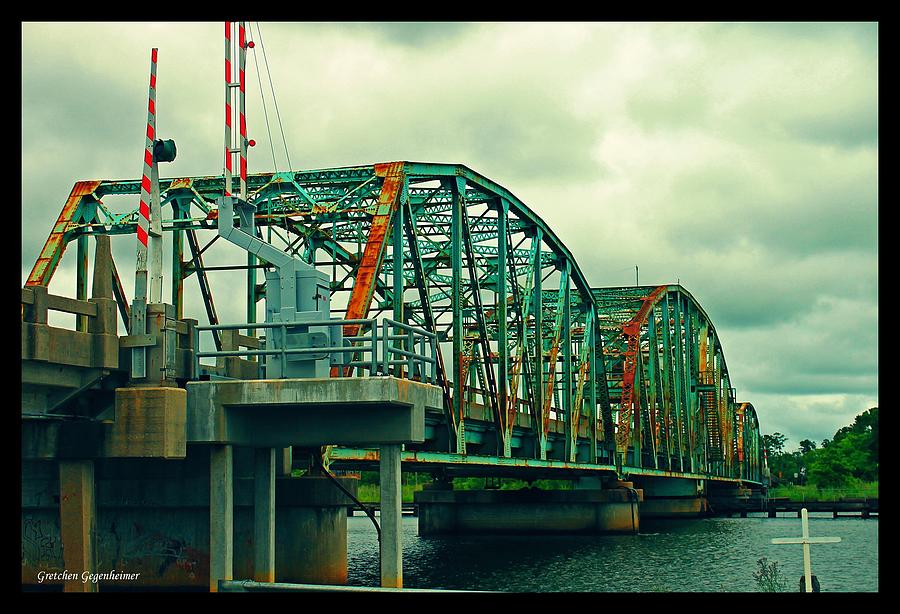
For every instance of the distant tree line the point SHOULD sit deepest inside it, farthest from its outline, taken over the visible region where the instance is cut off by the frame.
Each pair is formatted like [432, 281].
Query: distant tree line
[851, 456]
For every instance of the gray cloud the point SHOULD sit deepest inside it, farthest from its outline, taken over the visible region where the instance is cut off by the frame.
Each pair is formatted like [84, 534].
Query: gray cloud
[415, 35]
[814, 418]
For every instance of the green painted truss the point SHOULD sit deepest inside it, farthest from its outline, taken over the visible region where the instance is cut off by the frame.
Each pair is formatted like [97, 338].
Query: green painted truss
[535, 363]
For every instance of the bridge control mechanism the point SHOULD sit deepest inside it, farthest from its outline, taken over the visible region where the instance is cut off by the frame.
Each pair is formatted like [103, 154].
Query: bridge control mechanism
[296, 294]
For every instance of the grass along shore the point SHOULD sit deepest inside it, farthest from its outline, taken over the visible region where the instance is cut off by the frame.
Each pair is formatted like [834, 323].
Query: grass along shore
[371, 493]
[810, 492]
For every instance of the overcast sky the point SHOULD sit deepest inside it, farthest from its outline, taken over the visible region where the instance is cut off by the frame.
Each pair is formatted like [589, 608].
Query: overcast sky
[738, 158]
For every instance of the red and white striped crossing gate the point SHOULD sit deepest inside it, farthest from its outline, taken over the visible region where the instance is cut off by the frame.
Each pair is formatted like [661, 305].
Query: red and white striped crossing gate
[236, 80]
[143, 229]
[149, 229]
[146, 212]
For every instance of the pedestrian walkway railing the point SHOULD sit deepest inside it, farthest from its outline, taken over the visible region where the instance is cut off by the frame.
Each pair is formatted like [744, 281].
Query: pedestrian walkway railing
[385, 347]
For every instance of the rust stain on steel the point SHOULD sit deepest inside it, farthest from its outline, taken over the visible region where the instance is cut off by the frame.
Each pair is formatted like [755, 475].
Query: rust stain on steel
[739, 414]
[184, 182]
[367, 272]
[632, 332]
[53, 249]
[373, 255]
[548, 393]
[583, 373]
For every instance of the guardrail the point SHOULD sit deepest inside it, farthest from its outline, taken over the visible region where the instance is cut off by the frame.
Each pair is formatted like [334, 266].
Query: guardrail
[39, 302]
[410, 354]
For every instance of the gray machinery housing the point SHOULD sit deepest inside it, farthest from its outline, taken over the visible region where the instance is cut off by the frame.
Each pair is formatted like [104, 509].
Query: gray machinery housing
[295, 292]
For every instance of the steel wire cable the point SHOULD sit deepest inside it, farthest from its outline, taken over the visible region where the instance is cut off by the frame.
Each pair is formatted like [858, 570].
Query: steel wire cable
[274, 98]
[263, 98]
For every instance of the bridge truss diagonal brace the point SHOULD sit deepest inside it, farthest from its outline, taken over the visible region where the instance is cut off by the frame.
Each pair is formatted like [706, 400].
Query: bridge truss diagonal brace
[584, 373]
[376, 244]
[557, 339]
[53, 249]
[409, 223]
[631, 401]
[484, 367]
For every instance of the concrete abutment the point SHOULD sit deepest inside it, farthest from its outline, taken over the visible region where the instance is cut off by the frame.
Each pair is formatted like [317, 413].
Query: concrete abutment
[152, 517]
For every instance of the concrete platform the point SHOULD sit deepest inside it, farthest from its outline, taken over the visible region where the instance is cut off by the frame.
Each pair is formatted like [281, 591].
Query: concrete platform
[309, 412]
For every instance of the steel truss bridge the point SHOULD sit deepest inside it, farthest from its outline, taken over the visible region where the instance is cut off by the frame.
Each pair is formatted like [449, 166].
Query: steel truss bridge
[542, 375]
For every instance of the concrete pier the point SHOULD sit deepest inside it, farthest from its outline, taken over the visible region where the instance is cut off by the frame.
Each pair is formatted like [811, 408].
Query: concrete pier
[730, 497]
[221, 515]
[311, 530]
[529, 511]
[391, 516]
[264, 515]
[671, 498]
[153, 518]
[76, 513]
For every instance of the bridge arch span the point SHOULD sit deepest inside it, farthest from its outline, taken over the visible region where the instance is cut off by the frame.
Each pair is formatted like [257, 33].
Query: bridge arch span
[535, 363]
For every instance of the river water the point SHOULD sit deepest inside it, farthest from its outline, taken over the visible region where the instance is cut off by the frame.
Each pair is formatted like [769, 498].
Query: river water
[707, 555]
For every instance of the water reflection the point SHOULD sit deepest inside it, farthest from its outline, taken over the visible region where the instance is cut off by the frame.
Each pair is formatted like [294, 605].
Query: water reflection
[709, 555]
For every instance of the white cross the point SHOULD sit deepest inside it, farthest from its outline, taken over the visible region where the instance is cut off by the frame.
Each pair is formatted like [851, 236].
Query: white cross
[806, 540]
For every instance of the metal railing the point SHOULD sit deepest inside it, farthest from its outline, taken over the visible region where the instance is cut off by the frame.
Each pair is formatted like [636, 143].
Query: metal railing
[411, 354]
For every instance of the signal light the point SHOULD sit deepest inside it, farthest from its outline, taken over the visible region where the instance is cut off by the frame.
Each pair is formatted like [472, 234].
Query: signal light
[164, 151]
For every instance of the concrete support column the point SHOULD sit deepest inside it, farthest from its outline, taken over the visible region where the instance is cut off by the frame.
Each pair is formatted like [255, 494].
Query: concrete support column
[77, 520]
[391, 515]
[264, 515]
[221, 515]
[283, 461]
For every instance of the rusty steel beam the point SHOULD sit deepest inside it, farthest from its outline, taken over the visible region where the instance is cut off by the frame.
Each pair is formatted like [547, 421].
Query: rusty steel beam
[53, 249]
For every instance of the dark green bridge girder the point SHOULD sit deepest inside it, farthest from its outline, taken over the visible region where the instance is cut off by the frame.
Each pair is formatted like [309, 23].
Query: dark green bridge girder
[540, 365]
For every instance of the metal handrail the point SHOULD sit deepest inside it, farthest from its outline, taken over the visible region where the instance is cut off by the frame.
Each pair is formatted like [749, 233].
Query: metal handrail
[369, 343]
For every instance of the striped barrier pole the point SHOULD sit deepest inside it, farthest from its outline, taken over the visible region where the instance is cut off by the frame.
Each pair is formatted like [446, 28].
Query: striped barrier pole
[251, 259]
[139, 309]
[239, 147]
[242, 63]
[228, 97]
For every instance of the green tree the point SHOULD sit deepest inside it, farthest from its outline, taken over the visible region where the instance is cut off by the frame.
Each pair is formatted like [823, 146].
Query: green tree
[851, 455]
[774, 443]
[806, 446]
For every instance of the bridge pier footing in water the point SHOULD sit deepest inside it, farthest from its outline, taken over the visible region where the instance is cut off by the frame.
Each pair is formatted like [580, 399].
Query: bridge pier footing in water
[671, 498]
[529, 511]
